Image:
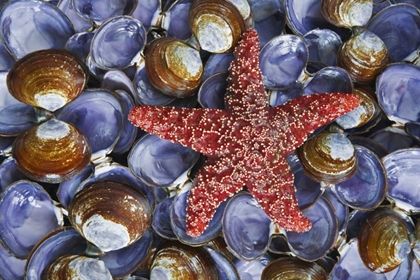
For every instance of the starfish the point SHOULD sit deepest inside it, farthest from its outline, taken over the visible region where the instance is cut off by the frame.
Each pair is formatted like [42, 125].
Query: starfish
[245, 144]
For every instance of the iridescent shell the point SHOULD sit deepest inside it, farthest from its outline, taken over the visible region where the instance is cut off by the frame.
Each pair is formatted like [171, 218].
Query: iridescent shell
[383, 241]
[347, 13]
[212, 91]
[174, 261]
[218, 25]
[51, 152]
[328, 79]
[323, 45]
[78, 267]
[328, 157]
[48, 79]
[173, 67]
[111, 215]
[13, 267]
[293, 268]
[364, 56]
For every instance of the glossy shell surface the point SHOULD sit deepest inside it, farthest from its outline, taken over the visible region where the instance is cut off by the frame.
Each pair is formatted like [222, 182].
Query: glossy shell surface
[293, 268]
[347, 13]
[111, 215]
[52, 152]
[48, 79]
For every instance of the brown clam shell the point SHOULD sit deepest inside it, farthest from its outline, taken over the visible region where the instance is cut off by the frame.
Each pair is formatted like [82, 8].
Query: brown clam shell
[364, 56]
[328, 157]
[47, 79]
[293, 268]
[110, 215]
[175, 260]
[173, 67]
[383, 241]
[78, 267]
[217, 24]
[51, 152]
[347, 13]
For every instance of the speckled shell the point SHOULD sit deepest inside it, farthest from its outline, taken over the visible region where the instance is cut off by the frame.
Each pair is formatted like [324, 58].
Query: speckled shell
[173, 67]
[293, 268]
[51, 152]
[217, 24]
[364, 56]
[177, 261]
[383, 241]
[78, 267]
[347, 13]
[328, 157]
[111, 215]
[47, 79]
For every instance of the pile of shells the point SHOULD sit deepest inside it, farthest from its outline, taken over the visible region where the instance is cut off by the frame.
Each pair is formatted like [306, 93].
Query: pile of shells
[86, 195]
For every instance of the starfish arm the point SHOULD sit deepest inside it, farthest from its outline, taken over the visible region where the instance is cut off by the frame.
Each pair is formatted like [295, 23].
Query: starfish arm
[199, 129]
[245, 92]
[298, 118]
[275, 192]
[215, 182]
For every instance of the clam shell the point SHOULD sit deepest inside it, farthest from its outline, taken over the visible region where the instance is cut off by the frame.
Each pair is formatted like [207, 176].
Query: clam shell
[173, 67]
[31, 25]
[63, 241]
[51, 152]
[323, 45]
[99, 11]
[110, 215]
[364, 56]
[174, 261]
[218, 25]
[162, 221]
[78, 267]
[9, 173]
[347, 13]
[293, 268]
[212, 91]
[23, 224]
[79, 44]
[6, 59]
[175, 21]
[12, 267]
[393, 138]
[252, 269]
[48, 79]
[397, 90]
[395, 24]
[80, 24]
[147, 12]
[328, 157]
[118, 42]
[383, 241]
[328, 79]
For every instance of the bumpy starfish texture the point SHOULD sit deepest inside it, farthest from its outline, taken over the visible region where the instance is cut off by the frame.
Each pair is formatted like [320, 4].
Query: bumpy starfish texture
[247, 143]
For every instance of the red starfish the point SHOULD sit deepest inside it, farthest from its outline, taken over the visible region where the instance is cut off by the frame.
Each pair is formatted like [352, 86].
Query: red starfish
[247, 143]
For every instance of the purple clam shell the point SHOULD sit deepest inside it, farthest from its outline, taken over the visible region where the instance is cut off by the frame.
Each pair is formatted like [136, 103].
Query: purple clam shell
[178, 222]
[124, 261]
[176, 20]
[246, 227]
[305, 15]
[341, 210]
[403, 169]
[80, 24]
[118, 173]
[79, 44]
[159, 162]
[323, 45]
[118, 80]
[271, 26]
[278, 245]
[28, 214]
[147, 12]
[225, 268]
[370, 144]
[161, 222]
[9, 173]
[101, 10]
[279, 97]
[252, 270]
[11, 267]
[307, 190]
[396, 24]
[97, 113]
[118, 42]
[398, 88]
[30, 25]
[367, 188]
[6, 146]
[315, 243]
[6, 59]
[67, 189]
[393, 138]
[217, 62]
[146, 93]
[212, 91]
[65, 241]
[15, 116]
[350, 266]
[329, 79]
[282, 61]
